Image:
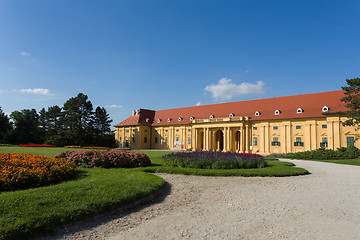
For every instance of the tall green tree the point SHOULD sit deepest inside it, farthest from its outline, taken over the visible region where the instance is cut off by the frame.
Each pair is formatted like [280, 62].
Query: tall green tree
[26, 126]
[77, 119]
[102, 121]
[352, 101]
[5, 127]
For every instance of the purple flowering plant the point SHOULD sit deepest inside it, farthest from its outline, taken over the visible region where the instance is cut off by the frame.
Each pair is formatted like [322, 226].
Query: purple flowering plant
[106, 159]
[214, 160]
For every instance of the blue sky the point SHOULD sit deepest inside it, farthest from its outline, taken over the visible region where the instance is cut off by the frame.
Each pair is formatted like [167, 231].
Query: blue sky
[157, 54]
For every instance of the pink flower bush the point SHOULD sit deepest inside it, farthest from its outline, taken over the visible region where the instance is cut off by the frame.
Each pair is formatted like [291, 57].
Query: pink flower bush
[106, 159]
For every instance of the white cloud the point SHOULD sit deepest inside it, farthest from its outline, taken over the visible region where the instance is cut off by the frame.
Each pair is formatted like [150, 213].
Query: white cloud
[114, 106]
[41, 91]
[225, 89]
[25, 54]
[198, 103]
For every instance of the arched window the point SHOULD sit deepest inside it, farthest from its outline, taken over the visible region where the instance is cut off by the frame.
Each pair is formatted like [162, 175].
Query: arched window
[277, 112]
[299, 110]
[257, 113]
[192, 118]
[325, 108]
[231, 115]
[211, 116]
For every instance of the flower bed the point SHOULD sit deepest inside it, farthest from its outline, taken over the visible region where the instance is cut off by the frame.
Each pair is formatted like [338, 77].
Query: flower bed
[72, 146]
[214, 160]
[35, 145]
[94, 147]
[106, 159]
[21, 171]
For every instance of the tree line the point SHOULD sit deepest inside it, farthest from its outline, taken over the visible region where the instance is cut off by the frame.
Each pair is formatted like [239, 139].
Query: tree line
[76, 123]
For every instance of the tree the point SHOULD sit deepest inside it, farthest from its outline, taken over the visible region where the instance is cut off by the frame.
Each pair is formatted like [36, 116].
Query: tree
[102, 121]
[26, 125]
[5, 127]
[352, 101]
[77, 119]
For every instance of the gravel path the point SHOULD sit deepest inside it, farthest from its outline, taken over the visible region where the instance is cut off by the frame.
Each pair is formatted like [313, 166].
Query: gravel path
[322, 205]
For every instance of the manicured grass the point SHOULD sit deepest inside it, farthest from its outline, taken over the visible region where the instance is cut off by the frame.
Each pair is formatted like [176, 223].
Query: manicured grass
[25, 214]
[355, 162]
[28, 213]
[274, 169]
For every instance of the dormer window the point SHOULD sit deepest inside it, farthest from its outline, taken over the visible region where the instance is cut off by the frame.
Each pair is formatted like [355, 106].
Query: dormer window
[211, 116]
[169, 119]
[180, 118]
[147, 119]
[231, 115]
[192, 118]
[325, 108]
[299, 110]
[277, 112]
[257, 113]
[159, 120]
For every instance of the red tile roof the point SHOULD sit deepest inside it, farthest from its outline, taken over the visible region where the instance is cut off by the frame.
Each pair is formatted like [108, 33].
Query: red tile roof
[311, 104]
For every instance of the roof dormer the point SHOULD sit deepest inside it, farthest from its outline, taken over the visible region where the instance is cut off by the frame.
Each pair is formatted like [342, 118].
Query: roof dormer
[257, 113]
[211, 116]
[277, 112]
[169, 119]
[325, 109]
[299, 110]
[180, 119]
[231, 115]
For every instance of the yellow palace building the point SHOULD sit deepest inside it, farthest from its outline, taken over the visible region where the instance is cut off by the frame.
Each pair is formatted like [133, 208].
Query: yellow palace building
[263, 126]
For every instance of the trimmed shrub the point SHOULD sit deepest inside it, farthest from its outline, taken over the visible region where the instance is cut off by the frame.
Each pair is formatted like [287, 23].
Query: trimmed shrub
[327, 154]
[21, 171]
[106, 159]
[214, 160]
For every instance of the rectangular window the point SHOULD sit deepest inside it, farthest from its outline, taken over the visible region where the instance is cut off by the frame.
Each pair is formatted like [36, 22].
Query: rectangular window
[275, 142]
[155, 130]
[275, 127]
[126, 143]
[120, 130]
[189, 140]
[189, 130]
[324, 126]
[298, 139]
[165, 139]
[255, 141]
[298, 142]
[254, 128]
[120, 139]
[145, 139]
[155, 139]
[298, 127]
[177, 139]
[324, 142]
[127, 130]
[350, 141]
[166, 130]
[177, 130]
[133, 139]
[275, 139]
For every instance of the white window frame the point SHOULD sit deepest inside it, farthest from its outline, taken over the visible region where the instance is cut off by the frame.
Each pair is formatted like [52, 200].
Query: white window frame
[180, 119]
[299, 110]
[231, 115]
[211, 116]
[257, 113]
[325, 109]
[169, 119]
[277, 112]
[192, 118]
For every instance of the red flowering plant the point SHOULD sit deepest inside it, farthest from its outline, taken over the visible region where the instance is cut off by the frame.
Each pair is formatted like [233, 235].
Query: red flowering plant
[21, 171]
[35, 145]
[106, 159]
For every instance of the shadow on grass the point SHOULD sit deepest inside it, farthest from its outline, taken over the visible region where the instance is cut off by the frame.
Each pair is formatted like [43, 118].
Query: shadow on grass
[104, 218]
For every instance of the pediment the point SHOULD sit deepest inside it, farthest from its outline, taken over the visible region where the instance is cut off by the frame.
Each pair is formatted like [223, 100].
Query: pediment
[323, 134]
[298, 134]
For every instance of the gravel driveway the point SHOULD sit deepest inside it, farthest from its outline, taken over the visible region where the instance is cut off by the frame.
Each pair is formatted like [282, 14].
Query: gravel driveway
[322, 205]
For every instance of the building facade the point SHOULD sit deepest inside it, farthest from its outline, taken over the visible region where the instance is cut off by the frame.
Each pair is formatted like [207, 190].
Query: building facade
[263, 126]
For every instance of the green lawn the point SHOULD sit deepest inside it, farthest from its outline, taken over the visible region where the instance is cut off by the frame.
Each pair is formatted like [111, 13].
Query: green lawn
[24, 214]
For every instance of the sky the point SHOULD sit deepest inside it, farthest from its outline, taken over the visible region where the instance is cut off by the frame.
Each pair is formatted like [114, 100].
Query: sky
[161, 54]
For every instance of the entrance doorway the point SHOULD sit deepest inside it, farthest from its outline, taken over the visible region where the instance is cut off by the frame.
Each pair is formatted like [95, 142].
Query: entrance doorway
[219, 140]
